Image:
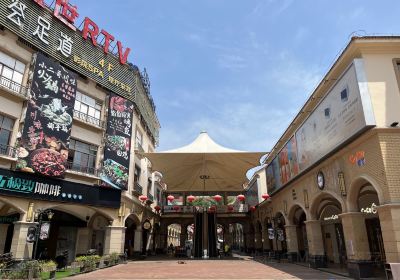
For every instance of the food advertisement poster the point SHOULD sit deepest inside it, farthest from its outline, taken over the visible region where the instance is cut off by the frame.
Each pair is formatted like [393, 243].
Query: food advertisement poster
[118, 142]
[43, 146]
[338, 117]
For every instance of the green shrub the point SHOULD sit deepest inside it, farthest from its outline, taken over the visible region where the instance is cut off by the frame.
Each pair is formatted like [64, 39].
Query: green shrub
[88, 263]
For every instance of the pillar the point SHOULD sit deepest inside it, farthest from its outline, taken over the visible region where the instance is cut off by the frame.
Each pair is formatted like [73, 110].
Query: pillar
[21, 249]
[138, 242]
[357, 246]
[182, 239]
[82, 241]
[3, 236]
[114, 240]
[258, 241]
[265, 239]
[249, 242]
[315, 244]
[389, 217]
[292, 242]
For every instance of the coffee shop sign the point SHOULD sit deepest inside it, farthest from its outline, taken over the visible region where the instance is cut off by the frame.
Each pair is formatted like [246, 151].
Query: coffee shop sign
[66, 13]
[370, 210]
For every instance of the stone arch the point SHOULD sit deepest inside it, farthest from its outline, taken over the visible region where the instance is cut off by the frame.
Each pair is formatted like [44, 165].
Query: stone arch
[134, 217]
[293, 210]
[75, 210]
[8, 203]
[283, 215]
[354, 189]
[325, 195]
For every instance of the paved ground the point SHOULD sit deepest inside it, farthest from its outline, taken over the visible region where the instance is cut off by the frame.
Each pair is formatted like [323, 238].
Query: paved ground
[240, 268]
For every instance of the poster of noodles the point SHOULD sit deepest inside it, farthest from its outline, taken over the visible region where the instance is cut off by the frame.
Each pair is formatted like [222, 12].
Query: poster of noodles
[43, 145]
[288, 164]
[118, 142]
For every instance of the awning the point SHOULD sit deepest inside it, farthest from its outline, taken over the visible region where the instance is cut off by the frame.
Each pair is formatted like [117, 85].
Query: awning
[205, 166]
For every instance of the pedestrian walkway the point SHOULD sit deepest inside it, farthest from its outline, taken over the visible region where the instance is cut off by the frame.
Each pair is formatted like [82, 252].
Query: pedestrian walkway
[240, 267]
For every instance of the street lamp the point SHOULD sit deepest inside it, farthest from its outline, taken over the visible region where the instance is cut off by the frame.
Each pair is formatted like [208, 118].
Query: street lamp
[39, 214]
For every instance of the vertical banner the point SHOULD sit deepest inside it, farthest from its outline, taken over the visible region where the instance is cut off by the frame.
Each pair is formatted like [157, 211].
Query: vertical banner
[43, 147]
[118, 142]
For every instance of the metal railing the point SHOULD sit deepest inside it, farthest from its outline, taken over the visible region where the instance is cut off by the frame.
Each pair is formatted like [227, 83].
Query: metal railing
[137, 189]
[88, 119]
[13, 86]
[83, 169]
[7, 150]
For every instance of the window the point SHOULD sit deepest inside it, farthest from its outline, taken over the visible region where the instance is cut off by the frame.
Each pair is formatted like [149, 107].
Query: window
[11, 72]
[82, 156]
[87, 109]
[136, 175]
[6, 127]
[139, 139]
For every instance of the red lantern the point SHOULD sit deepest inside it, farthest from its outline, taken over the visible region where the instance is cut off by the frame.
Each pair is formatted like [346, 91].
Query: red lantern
[176, 207]
[241, 197]
[191, 198]
[252, 208]
[265, 196]
[230, 208]
[217, 198]
[170, 198]
[213, 208]
[143, 198]
[157, 208]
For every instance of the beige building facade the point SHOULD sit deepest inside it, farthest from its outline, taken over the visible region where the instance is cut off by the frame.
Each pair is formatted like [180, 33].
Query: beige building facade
[343, 210]
[104, 218]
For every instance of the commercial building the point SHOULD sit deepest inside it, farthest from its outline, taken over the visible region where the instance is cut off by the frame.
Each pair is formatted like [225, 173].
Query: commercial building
[73, 117]
[333, 175]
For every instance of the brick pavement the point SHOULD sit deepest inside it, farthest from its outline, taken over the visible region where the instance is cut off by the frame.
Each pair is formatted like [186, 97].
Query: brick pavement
[206, 269]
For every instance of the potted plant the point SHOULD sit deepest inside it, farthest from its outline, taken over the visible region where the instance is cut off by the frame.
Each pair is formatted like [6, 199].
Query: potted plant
[106, 260]
[49, 266]
[114, 258]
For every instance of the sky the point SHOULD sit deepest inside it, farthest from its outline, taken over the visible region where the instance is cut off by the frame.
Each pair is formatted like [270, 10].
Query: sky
[238, 69]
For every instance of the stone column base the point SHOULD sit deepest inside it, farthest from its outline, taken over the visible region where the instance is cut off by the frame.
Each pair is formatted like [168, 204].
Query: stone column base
[292, 256]
[360, 269]
[317, 261]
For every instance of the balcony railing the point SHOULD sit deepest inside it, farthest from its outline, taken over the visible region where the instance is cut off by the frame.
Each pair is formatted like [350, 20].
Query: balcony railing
[7, 150]
[88, 119]
[13, 86]
[83, 169]
[137, 189]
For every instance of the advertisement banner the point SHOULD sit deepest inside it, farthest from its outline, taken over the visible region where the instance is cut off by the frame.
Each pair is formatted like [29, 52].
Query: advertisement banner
[252, 194]
[43, 147]
[118, 142]
[288, 164]
[273, 175]
[44, 231]
[339, 116]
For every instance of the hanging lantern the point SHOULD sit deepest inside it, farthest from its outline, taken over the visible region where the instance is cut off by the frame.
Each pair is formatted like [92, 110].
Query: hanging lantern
[143, 198]
[170, 198]
[265, 196]
[217, 198]
[176, 207]
[252, 208]
[191, 198]
[241, 197]
[230, 208]
[157, 208]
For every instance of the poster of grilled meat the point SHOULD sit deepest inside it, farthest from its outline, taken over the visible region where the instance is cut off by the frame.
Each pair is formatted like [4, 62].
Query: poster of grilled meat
[43, 146]
[118, 142]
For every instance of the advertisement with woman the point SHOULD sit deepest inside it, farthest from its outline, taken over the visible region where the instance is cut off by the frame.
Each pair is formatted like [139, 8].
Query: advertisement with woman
[43, 146]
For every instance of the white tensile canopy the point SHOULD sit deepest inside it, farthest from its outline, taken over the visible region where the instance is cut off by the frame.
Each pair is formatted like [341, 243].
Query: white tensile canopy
[204, 166]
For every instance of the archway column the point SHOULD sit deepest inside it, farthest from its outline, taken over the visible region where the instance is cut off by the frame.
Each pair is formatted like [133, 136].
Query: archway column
[357, 246]
[182, 238]
[292, 244]
[389, 217]
[114, 239]
[138, 241]
[258, 241]
[315, 244]
[265, 239]
[3, 236]
[21, 249]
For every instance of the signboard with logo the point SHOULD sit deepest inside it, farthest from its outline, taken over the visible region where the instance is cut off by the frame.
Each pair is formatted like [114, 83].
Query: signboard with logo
[31, 186]
[343, 113]
[47, 128]
[92, 52]
[118, 142]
